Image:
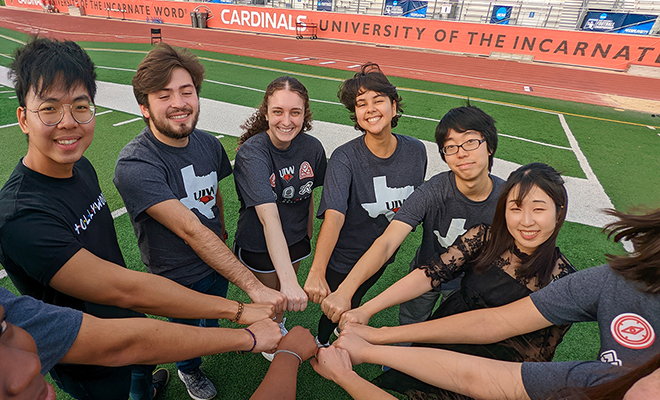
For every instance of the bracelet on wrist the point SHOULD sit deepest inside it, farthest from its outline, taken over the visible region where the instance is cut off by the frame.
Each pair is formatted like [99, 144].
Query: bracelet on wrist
[254, 341]
[241, 307]
[289, 352]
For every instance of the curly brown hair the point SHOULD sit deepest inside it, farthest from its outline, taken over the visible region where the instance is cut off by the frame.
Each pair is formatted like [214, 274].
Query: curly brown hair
[370, 77]
[258, 123]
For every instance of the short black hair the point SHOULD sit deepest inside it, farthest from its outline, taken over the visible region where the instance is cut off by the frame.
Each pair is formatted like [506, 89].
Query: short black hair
[370, 77]
[43, 63]
[468, 118]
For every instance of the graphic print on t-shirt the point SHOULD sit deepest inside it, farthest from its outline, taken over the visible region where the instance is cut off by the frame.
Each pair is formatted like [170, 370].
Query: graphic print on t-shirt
[611, 357]
[201, 191]
[286, 173]
[306, 171]
[388, 200]
[456, 229]
[632, 331]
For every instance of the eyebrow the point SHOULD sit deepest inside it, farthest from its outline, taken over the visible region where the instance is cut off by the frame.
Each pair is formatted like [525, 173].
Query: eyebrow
[81, 97]
[169, 89]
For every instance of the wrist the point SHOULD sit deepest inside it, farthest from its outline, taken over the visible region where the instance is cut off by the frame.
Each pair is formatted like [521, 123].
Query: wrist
[290, 354]
[250, 341]
[239, 312]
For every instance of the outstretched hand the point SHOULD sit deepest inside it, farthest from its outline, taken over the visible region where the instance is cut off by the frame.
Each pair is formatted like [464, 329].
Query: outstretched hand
[300, 341]
[332, 363]
[256, 312]
[316, 287]
[265, 294]
[267, 334]
[334, 305]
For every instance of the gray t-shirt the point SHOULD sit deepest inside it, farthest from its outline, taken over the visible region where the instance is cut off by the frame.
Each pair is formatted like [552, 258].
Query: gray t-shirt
[54, 329]
[368, 190]
[627, 321]
[445, 213]
[265, 174]
[149, 172]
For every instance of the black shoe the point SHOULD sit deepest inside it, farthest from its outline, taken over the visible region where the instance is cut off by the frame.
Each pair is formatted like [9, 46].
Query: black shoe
[160, 378]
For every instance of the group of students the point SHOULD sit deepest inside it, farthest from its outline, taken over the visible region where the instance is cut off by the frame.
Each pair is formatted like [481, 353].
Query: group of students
[508, 294]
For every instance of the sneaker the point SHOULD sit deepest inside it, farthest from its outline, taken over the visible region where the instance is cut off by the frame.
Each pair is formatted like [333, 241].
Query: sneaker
[385, 368]
[159, 379]
[319, 344]
[198, 385]
[271, 356]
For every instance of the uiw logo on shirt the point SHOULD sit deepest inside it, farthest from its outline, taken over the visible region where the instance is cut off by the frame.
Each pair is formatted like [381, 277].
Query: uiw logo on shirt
[200, 190]
[286, 173]
[388, 200]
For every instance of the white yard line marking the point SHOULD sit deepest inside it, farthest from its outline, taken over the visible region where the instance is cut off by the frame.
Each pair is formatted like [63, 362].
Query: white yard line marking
[118, 213]
[7, 91]
[235, 86]
[104, 112]
[116, 68]
[354, 66]
[535, 142]
[3, 274]
[127, 122]
[12, 97]
[8, 125]
[327, 62]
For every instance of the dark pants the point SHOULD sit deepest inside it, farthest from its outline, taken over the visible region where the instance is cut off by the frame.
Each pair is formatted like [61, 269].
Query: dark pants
[334, 279]
[101, 383]
[213, 284]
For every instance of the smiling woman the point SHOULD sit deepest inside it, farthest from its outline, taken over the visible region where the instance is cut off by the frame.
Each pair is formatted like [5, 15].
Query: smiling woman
[277, 167]
[502, 263]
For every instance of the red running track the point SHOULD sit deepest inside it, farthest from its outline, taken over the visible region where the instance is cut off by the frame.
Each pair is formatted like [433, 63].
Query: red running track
[553, 81]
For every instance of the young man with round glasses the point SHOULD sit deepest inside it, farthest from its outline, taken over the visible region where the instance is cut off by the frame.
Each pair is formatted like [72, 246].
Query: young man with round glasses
[57, 237]
[447, 205]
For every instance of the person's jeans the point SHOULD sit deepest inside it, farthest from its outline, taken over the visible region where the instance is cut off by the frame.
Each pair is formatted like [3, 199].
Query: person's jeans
[213, 284]
[114, 384]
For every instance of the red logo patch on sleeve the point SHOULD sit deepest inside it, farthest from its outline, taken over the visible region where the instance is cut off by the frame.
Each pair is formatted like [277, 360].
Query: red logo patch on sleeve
[632, 331]
[272, 180]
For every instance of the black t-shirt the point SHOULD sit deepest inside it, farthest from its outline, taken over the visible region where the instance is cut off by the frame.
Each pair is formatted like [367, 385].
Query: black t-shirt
[266, 174]
[44, 221]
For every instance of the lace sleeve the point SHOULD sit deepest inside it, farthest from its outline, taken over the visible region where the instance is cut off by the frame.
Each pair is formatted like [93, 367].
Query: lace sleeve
[450, 264]
[563, 267]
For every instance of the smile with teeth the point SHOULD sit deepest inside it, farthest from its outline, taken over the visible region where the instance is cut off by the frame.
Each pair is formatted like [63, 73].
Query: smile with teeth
[528, 234]
[286, 130]
[66, 141]
[373, 119]
[181, 116]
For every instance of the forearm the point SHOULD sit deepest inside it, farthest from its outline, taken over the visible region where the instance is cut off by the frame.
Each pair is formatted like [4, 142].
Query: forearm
[409, 287]
[116, 342]
[327, 240]
[217, 255]
[310, 219]
[280, 380]
[360, 389]
[276, 243]
[472, 376]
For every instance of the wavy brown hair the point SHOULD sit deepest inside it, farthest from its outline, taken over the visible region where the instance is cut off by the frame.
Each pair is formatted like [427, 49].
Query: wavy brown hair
[258, 123]
[541, 262]
[643, 265]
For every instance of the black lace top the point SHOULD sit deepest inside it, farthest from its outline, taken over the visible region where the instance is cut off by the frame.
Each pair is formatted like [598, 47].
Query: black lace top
[495, 287]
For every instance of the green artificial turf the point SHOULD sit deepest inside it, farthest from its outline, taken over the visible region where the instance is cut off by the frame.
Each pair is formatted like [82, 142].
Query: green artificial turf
[620, 148]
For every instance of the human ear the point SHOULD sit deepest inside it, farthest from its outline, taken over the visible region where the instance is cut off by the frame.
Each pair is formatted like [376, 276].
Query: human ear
[21, 116]
[145, 111]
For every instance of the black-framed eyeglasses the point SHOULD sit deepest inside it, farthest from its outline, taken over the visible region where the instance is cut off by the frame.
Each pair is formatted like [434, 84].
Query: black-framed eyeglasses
[52, 112]
[470, 145]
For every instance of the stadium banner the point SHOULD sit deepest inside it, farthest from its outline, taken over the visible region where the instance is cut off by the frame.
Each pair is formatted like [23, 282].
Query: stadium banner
[594, 49]
[501, 15]
[633, 24]
[406, 8]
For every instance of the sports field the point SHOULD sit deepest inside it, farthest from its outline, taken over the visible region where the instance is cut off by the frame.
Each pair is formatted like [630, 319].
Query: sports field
[609, 157]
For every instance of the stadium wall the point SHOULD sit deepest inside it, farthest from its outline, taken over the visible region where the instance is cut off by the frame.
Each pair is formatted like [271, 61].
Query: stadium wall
[603, 50]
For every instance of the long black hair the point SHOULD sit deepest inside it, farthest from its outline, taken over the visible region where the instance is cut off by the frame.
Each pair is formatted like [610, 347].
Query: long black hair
[541, 262]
